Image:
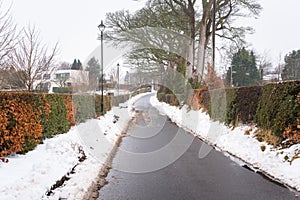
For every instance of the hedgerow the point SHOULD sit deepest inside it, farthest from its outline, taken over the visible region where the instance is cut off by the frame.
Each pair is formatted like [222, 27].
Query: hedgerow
[21, 122]
[28, 118]
[56, 122]
[275, 108]
[279, 109]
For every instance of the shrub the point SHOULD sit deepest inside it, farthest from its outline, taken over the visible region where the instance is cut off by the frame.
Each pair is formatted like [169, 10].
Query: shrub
[26, 118]
[274, 107]
[21, 126]
[106, 104]
[231, 106]
[247, 100]
[84, 106]
[56, 122]
[62, 90]
[218, 105]
[70, 109]
[168, 98]
[278, 108]
[116, 100]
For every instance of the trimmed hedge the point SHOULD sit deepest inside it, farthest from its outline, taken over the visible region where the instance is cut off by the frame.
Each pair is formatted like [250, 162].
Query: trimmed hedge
[57, 121]
[279, 108]
[247, 100]
[27, 118]
[273, 107]
[168, 98]
[84, 107]
[63, 90]
[21, 120]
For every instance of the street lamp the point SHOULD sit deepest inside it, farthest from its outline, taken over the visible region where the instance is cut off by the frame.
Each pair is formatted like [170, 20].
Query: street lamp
[118, 73]
[101, 28]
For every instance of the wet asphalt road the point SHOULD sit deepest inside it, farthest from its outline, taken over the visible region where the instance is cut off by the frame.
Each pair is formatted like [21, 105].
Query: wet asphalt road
[138, 173]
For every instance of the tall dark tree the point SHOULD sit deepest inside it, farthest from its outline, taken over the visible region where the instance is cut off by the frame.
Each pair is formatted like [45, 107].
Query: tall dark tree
[77, 65]
[291, 70]
[243, 69]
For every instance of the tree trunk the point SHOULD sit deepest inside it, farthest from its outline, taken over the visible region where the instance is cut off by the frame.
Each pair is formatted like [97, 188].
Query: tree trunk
[191, 50]
[190, 60]
[201, 51]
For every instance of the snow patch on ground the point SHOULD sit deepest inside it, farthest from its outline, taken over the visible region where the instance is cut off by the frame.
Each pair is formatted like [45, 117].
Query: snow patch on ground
[271, 161]
[30, 176]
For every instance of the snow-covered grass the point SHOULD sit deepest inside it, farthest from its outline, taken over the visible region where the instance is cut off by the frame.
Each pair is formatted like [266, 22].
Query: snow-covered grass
[31, 176]
[274, 162]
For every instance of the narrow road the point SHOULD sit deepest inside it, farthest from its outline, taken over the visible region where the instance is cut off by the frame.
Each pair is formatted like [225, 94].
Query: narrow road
[139, 173]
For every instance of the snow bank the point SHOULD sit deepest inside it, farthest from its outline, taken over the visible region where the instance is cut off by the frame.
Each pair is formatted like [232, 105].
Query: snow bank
[272, 161]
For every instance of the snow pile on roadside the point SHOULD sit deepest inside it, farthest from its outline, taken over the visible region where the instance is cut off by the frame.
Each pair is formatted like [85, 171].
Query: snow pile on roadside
[31, 176]
[258, 155]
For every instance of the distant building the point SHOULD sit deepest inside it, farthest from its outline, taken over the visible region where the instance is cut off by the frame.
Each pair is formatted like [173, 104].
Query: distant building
[78, 79]
[271, 77]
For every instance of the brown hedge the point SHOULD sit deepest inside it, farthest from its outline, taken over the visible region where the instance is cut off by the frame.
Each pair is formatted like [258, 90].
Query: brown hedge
[21, 123]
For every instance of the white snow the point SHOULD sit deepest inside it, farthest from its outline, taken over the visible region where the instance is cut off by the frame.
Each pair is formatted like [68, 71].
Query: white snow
[30, 176]
[235, 143]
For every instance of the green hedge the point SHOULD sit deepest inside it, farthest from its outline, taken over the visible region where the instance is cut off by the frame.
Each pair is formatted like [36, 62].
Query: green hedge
[247, 100]
[278, 107]
[116, 100]
[62, 90]
[56, 122]
[84, 106]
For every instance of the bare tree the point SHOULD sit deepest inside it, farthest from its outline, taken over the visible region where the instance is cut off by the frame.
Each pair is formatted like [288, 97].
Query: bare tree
[31, 58]
[264, 64]
[7, 43]
[7, 34]
[192, 18]
[64, 65]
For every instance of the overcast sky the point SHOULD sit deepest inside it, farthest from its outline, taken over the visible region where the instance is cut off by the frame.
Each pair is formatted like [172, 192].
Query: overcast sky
[74, 24]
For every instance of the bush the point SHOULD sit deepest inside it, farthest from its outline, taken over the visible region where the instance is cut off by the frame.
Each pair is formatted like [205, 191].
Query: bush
[231, 106]
[171, 99]
[56, 122]
[70, 109]
[278, 108]
[84, 106]
[27, 118]
[21, 122]
[247, 100]
[274, 107]
[217, 105]
[116, 100]
[62, 90]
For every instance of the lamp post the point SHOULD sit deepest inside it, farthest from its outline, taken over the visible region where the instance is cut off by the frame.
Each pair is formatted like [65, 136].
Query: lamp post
[118, 73]
[101, 28]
